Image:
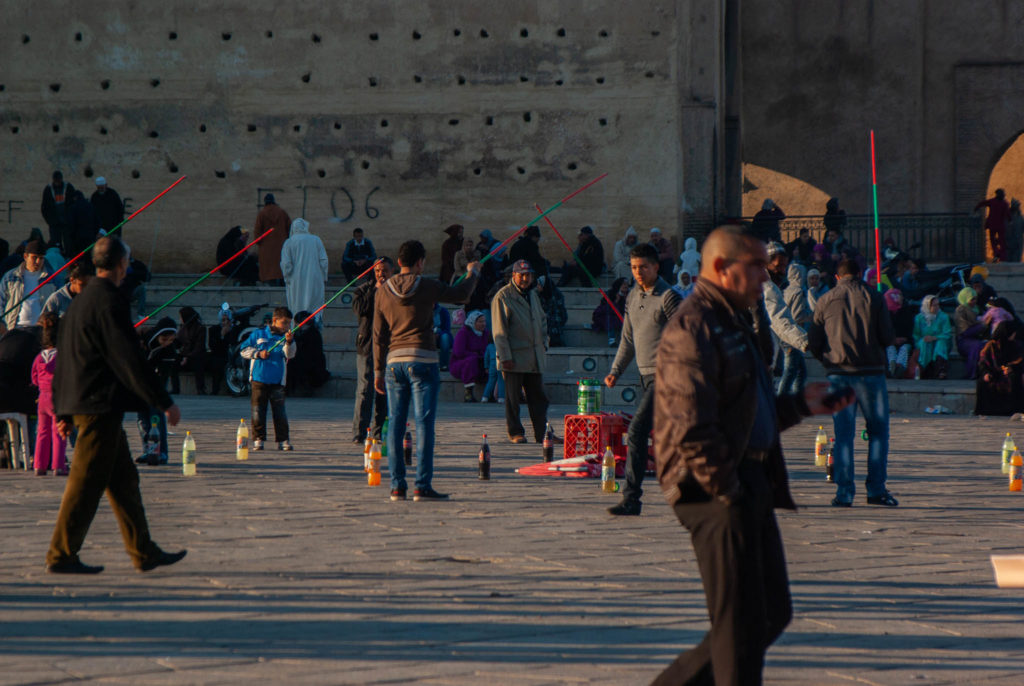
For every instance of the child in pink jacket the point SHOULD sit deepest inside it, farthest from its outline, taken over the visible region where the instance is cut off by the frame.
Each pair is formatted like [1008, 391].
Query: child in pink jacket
[49, 444]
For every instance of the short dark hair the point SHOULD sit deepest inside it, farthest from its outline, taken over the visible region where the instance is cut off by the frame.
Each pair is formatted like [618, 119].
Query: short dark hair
[282, 311]
[80, 271]
[57, 176]
[644, 251]
[387, 260]
[848, 268]
[49, 321]
[410, 252]
[358, 228]
[108, 252]
[804, 230]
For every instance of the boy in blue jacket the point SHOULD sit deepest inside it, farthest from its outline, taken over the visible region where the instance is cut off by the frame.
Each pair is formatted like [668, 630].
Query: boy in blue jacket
[267, 375]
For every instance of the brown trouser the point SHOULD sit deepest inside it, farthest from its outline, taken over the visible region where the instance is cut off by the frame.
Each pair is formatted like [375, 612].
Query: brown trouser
[101, 462]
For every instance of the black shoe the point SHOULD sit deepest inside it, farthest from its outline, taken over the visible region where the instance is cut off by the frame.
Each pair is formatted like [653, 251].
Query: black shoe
[885, 499]
[428, 494]
[626, 507]
[148, 459]
[836, 502]
[398, 494]
[162, 560]
[73, 567]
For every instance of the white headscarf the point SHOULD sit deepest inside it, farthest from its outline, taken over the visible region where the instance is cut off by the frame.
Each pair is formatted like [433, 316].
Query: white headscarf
[471, 320]
[689, 259]
[926, 303]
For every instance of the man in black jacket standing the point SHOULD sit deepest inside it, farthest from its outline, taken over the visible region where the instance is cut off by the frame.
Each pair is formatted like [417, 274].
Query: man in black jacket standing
[371, 408]
[101, 372]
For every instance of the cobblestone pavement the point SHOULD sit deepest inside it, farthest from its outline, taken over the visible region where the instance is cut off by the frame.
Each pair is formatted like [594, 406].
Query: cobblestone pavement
[299, 572]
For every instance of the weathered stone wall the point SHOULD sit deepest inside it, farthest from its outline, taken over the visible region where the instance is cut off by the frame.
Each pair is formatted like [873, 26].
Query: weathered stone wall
[397, 116]
[819, 75]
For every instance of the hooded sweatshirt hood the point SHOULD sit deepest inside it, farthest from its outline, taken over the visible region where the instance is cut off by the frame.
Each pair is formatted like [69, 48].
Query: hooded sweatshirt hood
[300, 225]
[164, 325]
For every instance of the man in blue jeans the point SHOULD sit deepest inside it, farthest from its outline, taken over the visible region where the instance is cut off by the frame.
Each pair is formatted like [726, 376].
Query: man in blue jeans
[849, 334]
[406, 361]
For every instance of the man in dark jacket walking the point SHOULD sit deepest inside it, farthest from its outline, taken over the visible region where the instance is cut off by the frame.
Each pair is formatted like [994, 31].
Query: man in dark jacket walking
[849, 334]
[370, 406]
[101, 372]
[719, 460]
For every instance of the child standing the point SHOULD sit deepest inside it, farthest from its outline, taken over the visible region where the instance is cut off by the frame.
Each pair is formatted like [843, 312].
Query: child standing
[268, 375]
[49, 444]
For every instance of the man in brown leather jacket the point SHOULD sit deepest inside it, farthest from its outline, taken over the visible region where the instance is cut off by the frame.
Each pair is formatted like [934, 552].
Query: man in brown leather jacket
[719, 460]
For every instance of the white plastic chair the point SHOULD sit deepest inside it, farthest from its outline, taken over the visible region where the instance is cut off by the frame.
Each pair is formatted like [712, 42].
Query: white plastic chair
[19, 439]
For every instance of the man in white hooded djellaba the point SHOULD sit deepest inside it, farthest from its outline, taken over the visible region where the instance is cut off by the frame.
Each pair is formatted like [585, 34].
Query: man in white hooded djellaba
[304, 265]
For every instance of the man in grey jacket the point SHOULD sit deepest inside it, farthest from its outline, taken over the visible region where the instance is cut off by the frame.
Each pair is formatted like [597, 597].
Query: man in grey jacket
[850, 332]
[790, 337]
[650, 304]
[20, 281]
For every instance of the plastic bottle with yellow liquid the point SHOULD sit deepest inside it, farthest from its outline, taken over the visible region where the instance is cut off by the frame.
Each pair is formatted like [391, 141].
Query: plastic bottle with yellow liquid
[188, 455]
[1008, 447]
[608, 484]
[373, 476]
[820, 447]
[242, 442]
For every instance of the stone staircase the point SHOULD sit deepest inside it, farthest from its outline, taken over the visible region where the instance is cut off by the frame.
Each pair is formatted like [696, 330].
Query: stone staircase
[587, 354]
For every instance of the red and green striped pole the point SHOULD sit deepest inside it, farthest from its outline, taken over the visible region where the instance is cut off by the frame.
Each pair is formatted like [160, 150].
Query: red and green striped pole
[874, 197]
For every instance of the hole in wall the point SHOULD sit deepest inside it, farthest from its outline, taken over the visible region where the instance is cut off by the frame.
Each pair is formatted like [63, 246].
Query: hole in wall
[154, 82]
[202, 128]
[649, 74]
[135, 173]
[599, 80]
[226, 35]
[484, 34]
[523, 79]
[250, 128]
[219, 174]
[373, 81]
[559, 82]
[416, 35]
[602, 33]
[457, 32]
[103, 130]
[602, 121]
[25, 38]
[173, 35]
[520, 170]
[374, 36]
[560, 33]
[337, 126]
[462, 80]
[572, 166]
[297, 128]
[269, 34]
[655, 34]
[527, 116]
[383, 123]
[315, 38]
[321, 173]
[453, 122]
[56, 128]
[365, 164]
[87, 172]
[489, 121]
[105, 84]
[15, 129]
[417, 78]
[523, 33]
[2, 88]
[306, 77]
[55, 87]
[154, 134]
[172, 167]
[78, 37]
[477, 171]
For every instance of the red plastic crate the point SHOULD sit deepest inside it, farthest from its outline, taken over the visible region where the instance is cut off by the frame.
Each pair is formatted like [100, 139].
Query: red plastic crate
[588, 434]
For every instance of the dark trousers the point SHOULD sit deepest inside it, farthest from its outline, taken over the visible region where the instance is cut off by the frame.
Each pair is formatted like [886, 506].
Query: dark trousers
[262, 393]
[197, 365]
[636, 440]
[101, 463]
[743, 567]
[370, 405]
[536, 402]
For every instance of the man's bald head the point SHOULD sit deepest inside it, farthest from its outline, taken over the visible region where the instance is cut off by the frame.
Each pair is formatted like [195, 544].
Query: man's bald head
[735, 262]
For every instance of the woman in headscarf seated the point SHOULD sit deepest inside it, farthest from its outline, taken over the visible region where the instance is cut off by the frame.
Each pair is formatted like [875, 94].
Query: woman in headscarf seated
[970, 330]
[816, 287]
[932, 336]
[467, 361]
[1000, 390]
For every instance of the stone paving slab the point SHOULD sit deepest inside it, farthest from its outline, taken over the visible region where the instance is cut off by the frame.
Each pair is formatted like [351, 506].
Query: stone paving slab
[298, 572]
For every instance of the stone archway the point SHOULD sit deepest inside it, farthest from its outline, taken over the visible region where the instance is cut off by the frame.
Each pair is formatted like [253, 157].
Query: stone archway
[989, 120]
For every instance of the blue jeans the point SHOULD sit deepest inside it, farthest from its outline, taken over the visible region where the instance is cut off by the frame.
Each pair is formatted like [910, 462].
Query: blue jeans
[873, 401]
[421, 383]
[444, 348]
[794, 372]
[494, 377]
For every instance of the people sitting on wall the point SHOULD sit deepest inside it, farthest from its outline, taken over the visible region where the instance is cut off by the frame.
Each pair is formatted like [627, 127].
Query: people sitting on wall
[358, 256]
[468, 360]
[971, 332]
[825, 265]
[932, 339]
[999, 389]
[191, 338]
[985, 292]
[553, 302]
[443, 335]
[902, 316]
[527, 247]
[684, 283]
[620, 254]
[450, 246]
[308, 369]
[244, 270]
[666, 258]
[590, 253]
[604, 320]
[689, 259]
[765, 224]
[816, 287]
[801, 248]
